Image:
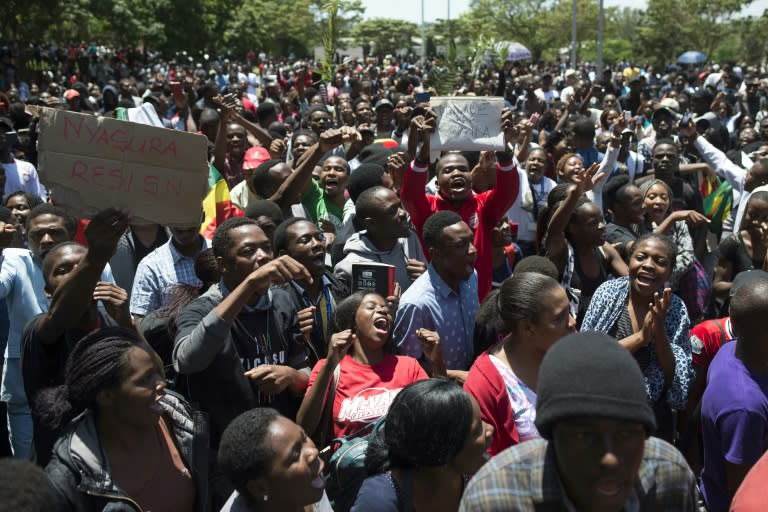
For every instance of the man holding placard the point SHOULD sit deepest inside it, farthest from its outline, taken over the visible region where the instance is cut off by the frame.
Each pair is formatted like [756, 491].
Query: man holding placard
[481, 212]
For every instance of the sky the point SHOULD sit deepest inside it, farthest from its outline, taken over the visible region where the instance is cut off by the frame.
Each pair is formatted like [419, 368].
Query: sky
[410, 10]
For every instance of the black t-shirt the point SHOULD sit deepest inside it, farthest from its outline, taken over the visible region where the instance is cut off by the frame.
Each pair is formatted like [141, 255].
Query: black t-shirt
[733, 250]
[269, 336]
[685, 196]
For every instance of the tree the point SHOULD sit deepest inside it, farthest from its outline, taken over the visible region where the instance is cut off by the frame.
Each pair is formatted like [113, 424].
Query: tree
[512, 20]
[383, 35]
[674, 26]
[274, 26]
[333, 21]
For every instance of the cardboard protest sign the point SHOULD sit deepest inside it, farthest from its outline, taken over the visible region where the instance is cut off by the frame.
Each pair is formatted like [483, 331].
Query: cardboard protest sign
[91, 163]
[467, 123]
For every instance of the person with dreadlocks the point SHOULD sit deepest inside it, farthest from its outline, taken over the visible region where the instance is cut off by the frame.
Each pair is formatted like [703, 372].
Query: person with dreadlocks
[129, 440]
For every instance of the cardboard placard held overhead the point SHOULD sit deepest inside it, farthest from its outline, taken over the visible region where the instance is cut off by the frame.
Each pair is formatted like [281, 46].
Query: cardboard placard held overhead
[91, 163]
[467, 123]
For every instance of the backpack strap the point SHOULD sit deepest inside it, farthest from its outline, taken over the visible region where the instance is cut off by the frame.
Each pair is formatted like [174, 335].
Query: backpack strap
[406, 502]
[326, 420]
[723, 336]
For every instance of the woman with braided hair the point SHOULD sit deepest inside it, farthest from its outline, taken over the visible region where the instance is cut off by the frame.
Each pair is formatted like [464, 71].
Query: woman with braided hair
[128, 444]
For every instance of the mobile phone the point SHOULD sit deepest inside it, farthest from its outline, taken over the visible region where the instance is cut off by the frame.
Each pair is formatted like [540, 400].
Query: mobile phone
[534, 119]
[178, 94]
[627, 115]
[421, 97]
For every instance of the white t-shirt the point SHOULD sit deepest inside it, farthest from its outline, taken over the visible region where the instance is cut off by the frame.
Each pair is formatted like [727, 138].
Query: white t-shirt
[522, 211]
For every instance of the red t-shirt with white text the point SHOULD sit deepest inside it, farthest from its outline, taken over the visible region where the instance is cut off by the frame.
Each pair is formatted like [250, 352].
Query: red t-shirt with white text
[365, 392]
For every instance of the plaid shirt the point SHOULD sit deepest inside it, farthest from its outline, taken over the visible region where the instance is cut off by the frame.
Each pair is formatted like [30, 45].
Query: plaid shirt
[525, 478]
[158, 273]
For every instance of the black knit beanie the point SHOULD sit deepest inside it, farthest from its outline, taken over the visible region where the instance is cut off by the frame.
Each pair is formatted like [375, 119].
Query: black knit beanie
[590, 374]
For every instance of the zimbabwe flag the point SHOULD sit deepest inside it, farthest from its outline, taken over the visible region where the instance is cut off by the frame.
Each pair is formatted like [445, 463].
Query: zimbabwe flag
[217, 206]
[717, 196]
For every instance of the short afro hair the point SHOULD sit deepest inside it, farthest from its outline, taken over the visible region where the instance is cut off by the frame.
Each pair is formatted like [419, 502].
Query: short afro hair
[281, 233]
[611, 190]
[222, 240]
[584, 127]
[316, 108]
[305, 133]
[365, 176]
[666, 241]
[365, 204]
[32, 199]
[435, 225]
[539, 265]
[244, 453]
[48, 209]
[264, 208]
[261, 175]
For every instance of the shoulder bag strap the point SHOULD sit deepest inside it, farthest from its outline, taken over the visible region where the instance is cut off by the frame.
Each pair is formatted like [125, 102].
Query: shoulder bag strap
[326, 420]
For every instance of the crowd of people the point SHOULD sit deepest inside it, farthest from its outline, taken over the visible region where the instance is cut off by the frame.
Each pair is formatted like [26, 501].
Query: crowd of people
[575, 320]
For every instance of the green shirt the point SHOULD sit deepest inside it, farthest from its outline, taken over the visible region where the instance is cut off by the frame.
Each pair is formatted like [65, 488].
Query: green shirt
[320, 207]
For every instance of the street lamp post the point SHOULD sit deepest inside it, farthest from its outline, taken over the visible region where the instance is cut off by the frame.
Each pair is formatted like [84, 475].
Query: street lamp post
[573, 36]
[600, 28]
[423, 35]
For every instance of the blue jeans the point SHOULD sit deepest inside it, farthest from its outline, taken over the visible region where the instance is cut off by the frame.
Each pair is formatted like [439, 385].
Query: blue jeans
[19, 414]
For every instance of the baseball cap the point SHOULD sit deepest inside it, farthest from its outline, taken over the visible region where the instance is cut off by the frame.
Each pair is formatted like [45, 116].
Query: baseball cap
[670, 107]
[706, 121]
[71, 93]
[254, 157]
[383, 103]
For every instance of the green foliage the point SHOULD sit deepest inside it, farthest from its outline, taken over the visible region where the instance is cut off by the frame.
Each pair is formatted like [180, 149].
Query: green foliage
[384, 35]
[330, 38]
[334, 18]
[276, 27]
[443, 80]
[674, 26]
[293, 27]
[508, 20]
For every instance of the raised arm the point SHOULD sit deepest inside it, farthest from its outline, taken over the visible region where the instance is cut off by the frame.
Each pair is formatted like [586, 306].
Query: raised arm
[202, 335]
[300, 178]
[556, 244]
[722, 165]
[311, 410]
[220, 145]
[74, 296]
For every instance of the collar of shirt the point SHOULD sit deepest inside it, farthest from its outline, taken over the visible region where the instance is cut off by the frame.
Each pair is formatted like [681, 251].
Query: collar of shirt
[263, 304]
[441, 287]
[176, 255]
[303, 293]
